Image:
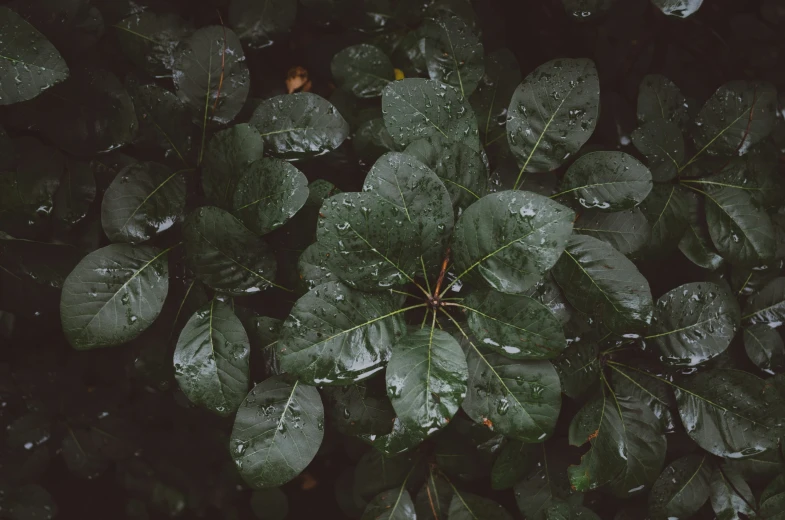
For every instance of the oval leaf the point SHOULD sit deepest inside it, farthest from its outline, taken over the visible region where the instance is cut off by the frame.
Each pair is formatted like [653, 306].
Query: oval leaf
[765, 348]
[113, 295]
[768, 306]
[510, 239]
[682, 489]
[363, 70]
[144, 199]
[663, 145]
[454, 55]
[627, 231]
[211, 359]
[229, 154]
[277, 432]
[660, 98]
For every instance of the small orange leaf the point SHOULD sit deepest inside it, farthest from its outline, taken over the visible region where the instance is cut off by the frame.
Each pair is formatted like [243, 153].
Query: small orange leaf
[594, 434]
[487, 422]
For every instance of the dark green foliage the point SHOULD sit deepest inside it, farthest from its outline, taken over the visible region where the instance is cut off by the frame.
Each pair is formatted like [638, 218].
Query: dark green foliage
[482, 260]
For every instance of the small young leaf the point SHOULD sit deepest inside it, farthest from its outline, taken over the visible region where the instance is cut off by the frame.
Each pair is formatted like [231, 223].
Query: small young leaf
[29, 63]
[455, 55]
[145, 199]
[113, 295]
[510, 239]
[363, 70]
[610, 181]
[277, 432]
[225, 255]
[553, 113]
[299, 125]
[426, 379]
[346, 344]
[211, 359]
[682, 489]
[517, 327]
[694, 323]
[598, 280]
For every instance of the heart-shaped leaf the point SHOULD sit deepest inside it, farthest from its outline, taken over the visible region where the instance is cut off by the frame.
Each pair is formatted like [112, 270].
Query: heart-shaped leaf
[663, 145]
[682, 489]
[225, 255]
[277, 432]
[210, 75]
[627, 231]
[229, 154]
[598, 280]
[299, 125]
[269, 192]
[454, 54]
[29, 63]
[211, 359]
[426, 379]
[363, 70]
[336, 335]
[514, 326]
[510, 239]
[660, 98]
[765, 348]
[412, 110]
[396, 227]
[694, 323]
[553, 113]
[610, 181]
[145, 199]
[113, 295]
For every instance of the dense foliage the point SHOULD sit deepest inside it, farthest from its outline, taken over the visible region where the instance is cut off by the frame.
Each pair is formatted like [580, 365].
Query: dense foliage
[436, 271]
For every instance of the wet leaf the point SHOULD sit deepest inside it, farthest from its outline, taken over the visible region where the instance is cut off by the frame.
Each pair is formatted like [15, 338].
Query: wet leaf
[696, 243]
[682, 489]
[578, 367]
[164, 123]
[546, 485]
[679, 8]
[652, 392]
[258, 23]
[768, 306]
[610, 181]
[211, 359]
[627, 231]
[454, 54]
[765, 348]
[730, 495]
[113, 295]
[29, 64]
[663, 145]
[364, 70]
[667, 210]
[277, 432]
[514, 462]
[360, 409]
[149, 40]
[492, 97]
[772, 501]
[145, 199]
[229, 154]
[659, 98]
[395, 504]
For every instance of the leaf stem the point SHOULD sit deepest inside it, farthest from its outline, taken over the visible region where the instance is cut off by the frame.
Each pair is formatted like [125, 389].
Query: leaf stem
[441, 273]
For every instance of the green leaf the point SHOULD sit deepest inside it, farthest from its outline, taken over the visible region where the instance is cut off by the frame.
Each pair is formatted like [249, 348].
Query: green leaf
[514, 326]
[492, 97]
[41, 263]
[654, 393]
[659, 98]
[667, 210]
[514, 462]
[229, 154]
[772, 501]
[578, 367]
[277, 432]
[312, 266]
[663, 145]
[739, 115]
[765, 348]
[300, 125]
[149, 40]
[75, 195]
[263, 333]
[210, 75]
[113, 295]
[547, 292]
[694, 323]
[433, 499]
[29, 63]
[725, 412]
[768, 306]
[269, 192]
[610, 181]
[395, 504]
[164, 122]
[454, 54]
[696, 243]
[363, 70]
[336, 335]
[399, 440]
[553, 113]
[371, 140]
[257, 23]
[467, 506]
[211, 359]
[360, 409]
[547, 485]
[412, 110]
[426, 379]
[627, 231]
[741, 230]
[510, 239]
[600, 281]
[145, 199]
[225, 255]
[518, 399]
[680, 8]
[682, 489]
[396, 227]
[460, 168]
[565, 511]
[375, 473]
[466, 450]
[730, 495]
